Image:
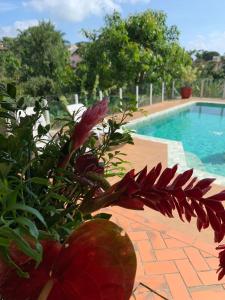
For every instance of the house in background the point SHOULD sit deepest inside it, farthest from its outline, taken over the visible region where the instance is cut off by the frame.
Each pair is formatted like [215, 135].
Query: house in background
[2, 47]
[74, 56]
[217, 60]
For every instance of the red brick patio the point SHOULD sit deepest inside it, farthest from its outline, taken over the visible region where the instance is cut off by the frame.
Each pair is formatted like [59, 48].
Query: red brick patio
[174, 259]
[177, 266]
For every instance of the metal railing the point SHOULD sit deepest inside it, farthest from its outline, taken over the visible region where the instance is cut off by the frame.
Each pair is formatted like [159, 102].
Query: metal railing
[142, 95]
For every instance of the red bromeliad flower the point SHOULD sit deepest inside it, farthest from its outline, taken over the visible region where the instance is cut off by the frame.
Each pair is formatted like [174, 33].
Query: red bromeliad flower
[88, 163]
[82, 130]
[221, 269]
[165, 192]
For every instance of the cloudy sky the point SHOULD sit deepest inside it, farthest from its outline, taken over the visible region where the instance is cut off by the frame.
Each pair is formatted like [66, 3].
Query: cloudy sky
[201, 22]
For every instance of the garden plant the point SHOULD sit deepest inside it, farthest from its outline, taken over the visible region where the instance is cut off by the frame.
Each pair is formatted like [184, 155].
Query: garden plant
[56, 242]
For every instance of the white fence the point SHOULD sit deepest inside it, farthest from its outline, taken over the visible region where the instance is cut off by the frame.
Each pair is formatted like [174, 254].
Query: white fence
[142, 95]
[147, 94]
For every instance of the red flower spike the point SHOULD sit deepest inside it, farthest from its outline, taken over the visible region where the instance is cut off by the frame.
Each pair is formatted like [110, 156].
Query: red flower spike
[155, 190]
[182, 179]
[166, 177]
[88, 163]
[221, 269]
[82, 130]
[97, 262]
[218, 197]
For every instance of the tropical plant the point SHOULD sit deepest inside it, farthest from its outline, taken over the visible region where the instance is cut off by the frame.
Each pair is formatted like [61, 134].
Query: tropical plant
[189, 75]
[53, 240]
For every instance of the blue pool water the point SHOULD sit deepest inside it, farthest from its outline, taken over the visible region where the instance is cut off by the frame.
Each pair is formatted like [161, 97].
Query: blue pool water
[201, 129]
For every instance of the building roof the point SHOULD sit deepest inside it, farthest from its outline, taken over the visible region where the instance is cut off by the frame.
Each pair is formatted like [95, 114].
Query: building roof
[72, 49]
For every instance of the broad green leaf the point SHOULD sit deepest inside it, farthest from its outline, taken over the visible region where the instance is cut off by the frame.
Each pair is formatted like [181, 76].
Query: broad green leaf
[58, 197]
[5, 168]
[20, 102]
[27, 223]
[11, 198]
[103, 216]
[23, 245]
[39, 180]
[28, 209]
[5, 115]
[4, 242]
[10, 262]
[11, 90]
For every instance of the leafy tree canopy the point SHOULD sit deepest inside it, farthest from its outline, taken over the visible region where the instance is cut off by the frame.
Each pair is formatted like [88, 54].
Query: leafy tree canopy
[206, 55]
[38, 58]
[42, 50]
[207, 67]
[141, 48]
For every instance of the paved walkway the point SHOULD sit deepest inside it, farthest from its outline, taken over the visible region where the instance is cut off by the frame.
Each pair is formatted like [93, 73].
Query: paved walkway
[178, 266]
[174, 259]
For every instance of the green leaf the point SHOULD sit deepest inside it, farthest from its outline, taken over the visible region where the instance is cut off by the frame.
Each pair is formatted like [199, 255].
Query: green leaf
[103, 216]
[11, 90]
[78, 219]
[4, 169]
[23, 245]
[28, 209]
[4, 242]
[43, 130]
[39, 180]
[5, 115]
[7, 106]
[10, 262]
[20, 102]
[58, 197]
[27, 223]
[11, 198]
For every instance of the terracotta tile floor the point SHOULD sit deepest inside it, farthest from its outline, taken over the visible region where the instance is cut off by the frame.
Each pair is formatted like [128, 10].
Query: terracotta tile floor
[177, 266]
[174, 259]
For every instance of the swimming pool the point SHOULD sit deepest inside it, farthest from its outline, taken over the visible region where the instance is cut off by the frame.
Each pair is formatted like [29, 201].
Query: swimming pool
[200, 127]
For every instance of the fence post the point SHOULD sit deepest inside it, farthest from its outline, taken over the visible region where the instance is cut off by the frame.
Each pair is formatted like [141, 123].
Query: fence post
[163, 90]
[224, 91]
[121, 96]
[100, 95]
[46, 112]
[121, 93]
[202, 88]
[76, 97]
[173, 89]
[150, 94]
[137, 95]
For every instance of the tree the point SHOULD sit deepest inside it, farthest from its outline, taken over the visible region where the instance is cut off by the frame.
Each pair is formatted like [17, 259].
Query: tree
[39, 86]
[42, 51]
[10, 64]
[141, 48]
[206, 55]
[207, 67]
[38, 59]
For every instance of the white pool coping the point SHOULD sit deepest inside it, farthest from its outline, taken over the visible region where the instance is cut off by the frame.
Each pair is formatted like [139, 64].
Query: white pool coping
[175, 150]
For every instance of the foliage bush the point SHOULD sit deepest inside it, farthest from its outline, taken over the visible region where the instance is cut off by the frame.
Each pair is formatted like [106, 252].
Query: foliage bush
[189, 75]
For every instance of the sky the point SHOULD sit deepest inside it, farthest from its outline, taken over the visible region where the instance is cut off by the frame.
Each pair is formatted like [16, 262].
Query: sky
[201, 22]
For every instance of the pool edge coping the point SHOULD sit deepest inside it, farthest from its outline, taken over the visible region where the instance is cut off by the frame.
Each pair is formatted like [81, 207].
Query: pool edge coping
[175, 150]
